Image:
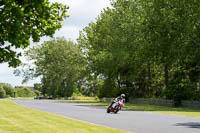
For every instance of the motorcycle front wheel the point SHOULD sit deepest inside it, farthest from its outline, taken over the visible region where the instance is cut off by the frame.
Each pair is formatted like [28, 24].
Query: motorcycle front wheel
[116, 109]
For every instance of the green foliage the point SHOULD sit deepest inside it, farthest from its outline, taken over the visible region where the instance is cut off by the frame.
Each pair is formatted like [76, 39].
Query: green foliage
[37, 86]
[108, 89]
[60, 63]
[90, 85]
[76, 93]
[180, 88]
[18, 91]
[110, 45]
[37, 92]
[138, 47]
[38, 89]
[8, 89]
[2, 92]
[24, 92]
[21, 20]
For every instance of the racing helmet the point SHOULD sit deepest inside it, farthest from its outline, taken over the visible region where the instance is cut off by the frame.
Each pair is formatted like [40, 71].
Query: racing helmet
[123, 95]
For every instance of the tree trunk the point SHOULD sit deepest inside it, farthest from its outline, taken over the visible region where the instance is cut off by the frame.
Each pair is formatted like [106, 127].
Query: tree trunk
[166, 75]
[149, 78]
[149, 72]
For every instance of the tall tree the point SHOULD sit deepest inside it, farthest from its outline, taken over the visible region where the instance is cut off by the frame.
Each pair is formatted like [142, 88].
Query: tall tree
[112, 44]
[146, 47]
[60, 64]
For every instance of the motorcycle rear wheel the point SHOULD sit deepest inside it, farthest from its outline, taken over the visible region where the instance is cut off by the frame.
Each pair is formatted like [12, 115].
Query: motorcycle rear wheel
[108, 110]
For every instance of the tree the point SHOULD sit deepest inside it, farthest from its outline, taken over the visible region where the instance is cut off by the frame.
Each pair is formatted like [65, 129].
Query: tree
[21, 20]
[172, 30]
[60, 64]
[2, 92]
[22, 91]
[140, 47]
[38, 86]
[111, 45]
[8, 89]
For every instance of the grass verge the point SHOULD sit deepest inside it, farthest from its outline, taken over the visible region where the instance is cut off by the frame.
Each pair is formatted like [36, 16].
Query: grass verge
[20, 98]
[17, 119]
[150, 108]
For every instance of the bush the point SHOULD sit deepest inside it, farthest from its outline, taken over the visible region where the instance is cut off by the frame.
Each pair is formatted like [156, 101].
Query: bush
[76, 93]
[2, 93]
[25, 92]
[37, 92]
[8, 89]
[28, 92]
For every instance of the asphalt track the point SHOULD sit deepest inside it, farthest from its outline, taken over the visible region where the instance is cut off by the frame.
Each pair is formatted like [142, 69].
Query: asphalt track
[135, 121]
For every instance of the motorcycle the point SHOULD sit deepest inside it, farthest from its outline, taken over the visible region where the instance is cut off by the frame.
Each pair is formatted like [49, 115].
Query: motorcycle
[115, 107]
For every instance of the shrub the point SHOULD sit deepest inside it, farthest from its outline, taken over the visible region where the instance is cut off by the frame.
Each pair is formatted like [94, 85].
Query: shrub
[37, 92]
[2, 92]
[25, 92]
[8, 89]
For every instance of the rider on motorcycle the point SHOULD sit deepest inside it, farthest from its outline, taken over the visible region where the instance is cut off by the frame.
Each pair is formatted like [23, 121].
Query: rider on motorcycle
[121, 98]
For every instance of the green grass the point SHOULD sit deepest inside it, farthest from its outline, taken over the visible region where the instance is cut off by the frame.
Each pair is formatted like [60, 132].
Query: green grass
[150, 108]
[17, 119]
[20, 98]
[164, 110]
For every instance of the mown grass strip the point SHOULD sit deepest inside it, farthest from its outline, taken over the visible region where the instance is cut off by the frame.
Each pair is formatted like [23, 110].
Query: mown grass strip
[144, 107]
[17, 119]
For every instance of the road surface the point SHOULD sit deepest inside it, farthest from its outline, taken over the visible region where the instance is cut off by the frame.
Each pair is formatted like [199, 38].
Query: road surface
[135, 121]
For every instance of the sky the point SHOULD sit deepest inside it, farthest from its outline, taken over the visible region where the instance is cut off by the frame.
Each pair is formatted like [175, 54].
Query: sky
[81, 13]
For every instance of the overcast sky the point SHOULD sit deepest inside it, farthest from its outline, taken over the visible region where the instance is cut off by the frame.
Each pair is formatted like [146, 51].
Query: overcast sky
[81, 13]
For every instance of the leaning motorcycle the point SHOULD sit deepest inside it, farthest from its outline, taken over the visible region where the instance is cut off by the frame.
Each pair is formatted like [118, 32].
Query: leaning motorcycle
[115, 107]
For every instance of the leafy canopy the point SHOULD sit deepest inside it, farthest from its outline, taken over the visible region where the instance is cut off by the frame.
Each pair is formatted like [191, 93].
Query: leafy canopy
[21, 20]
[59, 62]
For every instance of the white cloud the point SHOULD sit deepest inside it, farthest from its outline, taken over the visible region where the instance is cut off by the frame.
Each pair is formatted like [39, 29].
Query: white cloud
[81, 13]
[7, 76]
[4, 69]
[85, 11]
[68, 32]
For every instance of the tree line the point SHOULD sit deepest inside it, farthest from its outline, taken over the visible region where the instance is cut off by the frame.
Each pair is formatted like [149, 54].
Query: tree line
[146, 48]
[7, 91]
[141, 48]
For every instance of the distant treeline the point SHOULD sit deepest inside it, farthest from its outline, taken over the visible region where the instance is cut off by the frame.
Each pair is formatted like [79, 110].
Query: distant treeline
[6, 91]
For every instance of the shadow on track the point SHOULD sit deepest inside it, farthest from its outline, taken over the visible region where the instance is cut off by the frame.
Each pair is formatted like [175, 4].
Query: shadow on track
[90, 106]
[190, 124]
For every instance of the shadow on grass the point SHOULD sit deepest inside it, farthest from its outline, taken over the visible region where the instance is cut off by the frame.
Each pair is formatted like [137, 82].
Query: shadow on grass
[190, 124]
